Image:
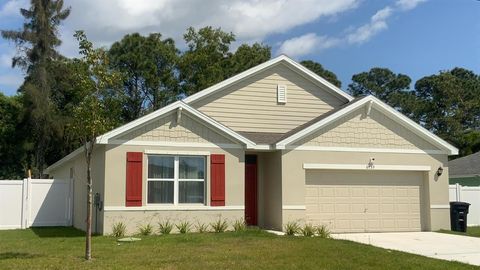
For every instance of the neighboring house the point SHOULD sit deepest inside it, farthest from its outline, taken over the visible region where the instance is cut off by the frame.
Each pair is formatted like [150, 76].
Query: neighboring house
[274, 144]
[465, 170]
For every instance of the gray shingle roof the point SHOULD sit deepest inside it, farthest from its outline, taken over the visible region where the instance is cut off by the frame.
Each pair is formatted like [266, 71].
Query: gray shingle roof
[468, 165]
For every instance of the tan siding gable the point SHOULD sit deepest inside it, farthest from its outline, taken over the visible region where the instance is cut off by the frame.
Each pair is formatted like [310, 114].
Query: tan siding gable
[165, 129]
[375, 131]
[251, 105]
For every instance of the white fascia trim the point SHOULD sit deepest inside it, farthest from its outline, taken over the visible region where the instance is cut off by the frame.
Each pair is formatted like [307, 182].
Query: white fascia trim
[363, 150]
[365, 167]
[440, 206]
[180, 153]
[294, 207]
[419, 130]
[263, 147]
[312, 128]
[254, 70]
[104, 139]
[173, 208]
[317, 78]
[176, 144]
[405, 121]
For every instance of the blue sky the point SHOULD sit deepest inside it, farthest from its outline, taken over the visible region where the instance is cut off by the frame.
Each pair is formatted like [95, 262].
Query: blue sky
[414, 37]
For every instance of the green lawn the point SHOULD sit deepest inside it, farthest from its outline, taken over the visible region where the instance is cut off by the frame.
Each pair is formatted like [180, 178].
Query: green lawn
[471, 231]
[62, 248]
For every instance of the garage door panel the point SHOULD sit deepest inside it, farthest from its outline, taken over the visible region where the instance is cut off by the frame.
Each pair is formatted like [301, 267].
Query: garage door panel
[364, 201]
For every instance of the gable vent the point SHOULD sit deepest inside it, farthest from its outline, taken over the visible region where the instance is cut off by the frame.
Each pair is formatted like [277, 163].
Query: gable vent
[281, 93]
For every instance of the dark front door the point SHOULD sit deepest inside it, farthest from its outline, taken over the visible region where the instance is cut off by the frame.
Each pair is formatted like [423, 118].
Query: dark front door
[251, 189]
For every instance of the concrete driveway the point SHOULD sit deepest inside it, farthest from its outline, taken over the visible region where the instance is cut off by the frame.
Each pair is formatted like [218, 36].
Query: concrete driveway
[436, 245]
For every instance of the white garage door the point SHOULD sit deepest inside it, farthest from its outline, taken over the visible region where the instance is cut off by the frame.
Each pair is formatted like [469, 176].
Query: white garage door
[364, 201]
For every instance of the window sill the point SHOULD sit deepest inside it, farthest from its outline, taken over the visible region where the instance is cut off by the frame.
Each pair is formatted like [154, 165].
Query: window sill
[191, 207]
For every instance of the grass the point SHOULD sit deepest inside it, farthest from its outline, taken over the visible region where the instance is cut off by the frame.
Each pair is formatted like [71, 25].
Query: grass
[62, 248]
[473, 231]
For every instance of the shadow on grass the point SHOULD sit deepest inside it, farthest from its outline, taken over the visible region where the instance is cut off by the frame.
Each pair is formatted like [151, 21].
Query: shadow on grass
[57, 232]
[17, 255]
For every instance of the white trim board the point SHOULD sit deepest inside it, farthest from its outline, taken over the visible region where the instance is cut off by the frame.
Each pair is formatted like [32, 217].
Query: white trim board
[176, 144]
[294, 207]
[173, 208]
[179, 153]
[382, 107]
[440, 206]
[255, 70]
[364, 150]
[365, 167]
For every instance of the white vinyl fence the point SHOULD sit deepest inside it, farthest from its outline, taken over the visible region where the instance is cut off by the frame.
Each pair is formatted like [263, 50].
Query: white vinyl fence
[35, 202]
[470, 195]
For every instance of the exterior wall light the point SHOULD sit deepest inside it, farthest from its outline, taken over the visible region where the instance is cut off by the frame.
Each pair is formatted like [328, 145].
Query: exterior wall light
[439, 171]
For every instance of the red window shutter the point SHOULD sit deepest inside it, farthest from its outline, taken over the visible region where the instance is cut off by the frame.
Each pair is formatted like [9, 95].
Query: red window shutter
[217, 180]
[134, 179]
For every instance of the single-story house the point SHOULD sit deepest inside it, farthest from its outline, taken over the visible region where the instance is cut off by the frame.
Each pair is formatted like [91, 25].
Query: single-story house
[274, 144]
[465, 170]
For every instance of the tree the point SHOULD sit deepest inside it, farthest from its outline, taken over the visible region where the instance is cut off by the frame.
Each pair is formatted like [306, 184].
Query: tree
[12, 140]
[320, 71]
[66, 94]
[203, 64]
[393, 89]
[92, 117]
[448, 105]
[209, 60]
[36, 48]
[148, 67]
[246, 57]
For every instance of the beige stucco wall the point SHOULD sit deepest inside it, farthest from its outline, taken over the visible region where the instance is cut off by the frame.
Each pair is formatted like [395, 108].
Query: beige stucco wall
[115, 183]
[134, 219]
[374, 131]
[79, 169]
[251, 104]
[435, 192]
[164, 131]
[115, 179]
[270, 190]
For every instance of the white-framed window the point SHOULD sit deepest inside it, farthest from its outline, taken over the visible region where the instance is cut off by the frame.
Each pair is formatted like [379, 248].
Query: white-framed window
[176, 179]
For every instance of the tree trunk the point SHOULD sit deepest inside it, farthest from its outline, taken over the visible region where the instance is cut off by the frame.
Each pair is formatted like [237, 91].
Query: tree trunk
[88, 242]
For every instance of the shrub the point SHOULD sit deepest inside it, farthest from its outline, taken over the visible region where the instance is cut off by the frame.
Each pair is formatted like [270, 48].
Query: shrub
[239, 225]
[119, 229]
[292, 228]
[165, 227]
[146, 229]
[323, 231]
[201, 227]
[183, 227]
[220, 225]
[308, 230]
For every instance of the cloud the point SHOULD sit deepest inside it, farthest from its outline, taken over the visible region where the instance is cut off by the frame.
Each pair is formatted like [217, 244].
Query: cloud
[12, 7]
[378, 22]
[306, 44]
[408, 4]
[312, 42]
[107, 21]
